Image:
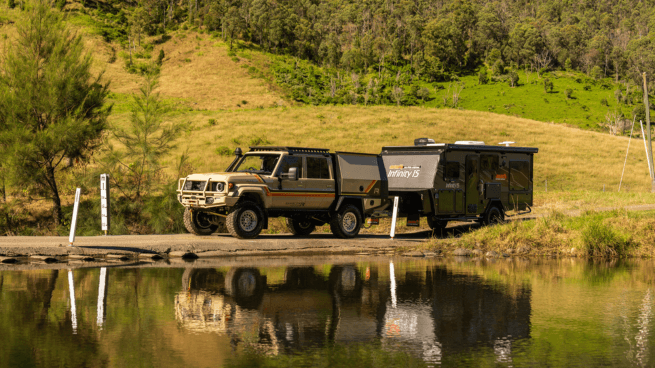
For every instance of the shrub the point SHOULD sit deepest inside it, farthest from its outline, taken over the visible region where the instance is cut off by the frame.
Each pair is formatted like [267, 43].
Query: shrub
[223, 151]
[257, 141]
[587, 87]
[483, 78]
[513, 78]
[11, 4]
[568, 65]
[600, 240]
[548, 85]
[569, 93]
[597, 72]
[604, 102]
[211, 122]
[160, 58]
[498, 68]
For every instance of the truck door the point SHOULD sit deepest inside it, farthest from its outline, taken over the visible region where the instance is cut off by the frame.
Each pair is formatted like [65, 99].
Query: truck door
[319, 183]
[291, 193]
[473, 186]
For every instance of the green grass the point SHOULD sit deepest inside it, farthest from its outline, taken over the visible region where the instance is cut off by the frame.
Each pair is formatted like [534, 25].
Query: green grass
[529, 100]
[617, 233]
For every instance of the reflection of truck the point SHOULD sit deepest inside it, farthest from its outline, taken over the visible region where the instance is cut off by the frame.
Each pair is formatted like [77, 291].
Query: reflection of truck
[305, 309]
[308, 186]
[465, 181]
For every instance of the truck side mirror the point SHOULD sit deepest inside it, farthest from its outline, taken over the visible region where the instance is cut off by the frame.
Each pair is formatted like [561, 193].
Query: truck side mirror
[293, 173]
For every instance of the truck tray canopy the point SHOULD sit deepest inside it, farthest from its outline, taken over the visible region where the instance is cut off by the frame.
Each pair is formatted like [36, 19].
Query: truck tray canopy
[360, 174]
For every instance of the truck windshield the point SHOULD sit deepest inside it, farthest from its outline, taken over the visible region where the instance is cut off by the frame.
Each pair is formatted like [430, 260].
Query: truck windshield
[260, 164]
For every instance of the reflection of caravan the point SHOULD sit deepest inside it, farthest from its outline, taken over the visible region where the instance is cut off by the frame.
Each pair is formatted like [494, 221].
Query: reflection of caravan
[449, 313]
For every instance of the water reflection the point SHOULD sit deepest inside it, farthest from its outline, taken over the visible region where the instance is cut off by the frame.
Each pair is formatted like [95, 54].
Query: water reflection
[507, 313]
[429, 311]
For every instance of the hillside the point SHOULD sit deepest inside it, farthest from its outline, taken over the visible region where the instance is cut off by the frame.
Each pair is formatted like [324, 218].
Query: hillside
[229, 99]
[245, 96]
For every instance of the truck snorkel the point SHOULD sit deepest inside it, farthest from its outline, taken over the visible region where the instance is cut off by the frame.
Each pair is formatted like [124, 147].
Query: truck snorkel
[238, 153]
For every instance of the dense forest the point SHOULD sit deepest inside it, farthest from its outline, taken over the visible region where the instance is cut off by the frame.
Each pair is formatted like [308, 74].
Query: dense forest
[434, 39]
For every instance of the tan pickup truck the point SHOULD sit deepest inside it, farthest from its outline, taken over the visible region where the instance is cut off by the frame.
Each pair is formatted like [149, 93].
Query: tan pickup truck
[308, 186]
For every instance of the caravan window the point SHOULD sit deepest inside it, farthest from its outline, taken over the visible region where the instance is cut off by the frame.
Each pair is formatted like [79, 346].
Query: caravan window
[451, 170]
[519, 175]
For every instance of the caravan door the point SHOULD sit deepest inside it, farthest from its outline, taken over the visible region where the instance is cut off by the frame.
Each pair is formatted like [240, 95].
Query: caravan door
[473, 185]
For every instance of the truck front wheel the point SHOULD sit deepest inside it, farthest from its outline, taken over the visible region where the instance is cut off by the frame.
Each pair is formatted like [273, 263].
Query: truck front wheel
[346, 222]
[198, 222]
[245, 221]
[300, 226]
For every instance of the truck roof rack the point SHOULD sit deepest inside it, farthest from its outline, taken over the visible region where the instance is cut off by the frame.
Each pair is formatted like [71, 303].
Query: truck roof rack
[290, 150]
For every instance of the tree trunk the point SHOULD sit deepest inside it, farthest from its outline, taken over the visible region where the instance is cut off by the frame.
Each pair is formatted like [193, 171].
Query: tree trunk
[56, 202]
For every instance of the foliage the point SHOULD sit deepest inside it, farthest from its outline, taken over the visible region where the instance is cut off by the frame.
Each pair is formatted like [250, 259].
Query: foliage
[52, 109]
[600, 239]
[513, 78]
[548, 85]
[483, 78]
[135, 169]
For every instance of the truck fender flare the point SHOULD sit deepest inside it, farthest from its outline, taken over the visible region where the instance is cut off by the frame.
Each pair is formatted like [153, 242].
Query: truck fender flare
[243, 193]
[495, 203]
[357, 201]
[260, 193]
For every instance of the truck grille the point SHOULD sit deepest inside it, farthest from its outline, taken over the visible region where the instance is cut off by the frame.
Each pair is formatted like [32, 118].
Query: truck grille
[194, 185]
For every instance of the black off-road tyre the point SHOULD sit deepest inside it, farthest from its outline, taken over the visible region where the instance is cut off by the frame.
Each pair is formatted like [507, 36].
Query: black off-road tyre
[245, 286]
[197, 223]
[493, 216]
[347, 222]
[222, 227]
[438, 226]
[245, 220]
[300, 226]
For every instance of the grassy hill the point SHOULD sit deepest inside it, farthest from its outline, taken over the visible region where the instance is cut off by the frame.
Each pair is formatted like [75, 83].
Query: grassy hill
[228, 99]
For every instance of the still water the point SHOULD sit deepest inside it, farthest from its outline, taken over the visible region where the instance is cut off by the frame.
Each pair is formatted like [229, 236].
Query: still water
[376, 312]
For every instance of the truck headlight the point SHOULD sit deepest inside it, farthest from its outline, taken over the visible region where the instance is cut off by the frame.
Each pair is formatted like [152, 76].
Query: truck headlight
[209, 200]
[220, 187]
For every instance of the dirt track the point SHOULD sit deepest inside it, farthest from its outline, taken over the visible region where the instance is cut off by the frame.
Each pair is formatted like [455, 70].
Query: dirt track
[148, 247]
[200, 246]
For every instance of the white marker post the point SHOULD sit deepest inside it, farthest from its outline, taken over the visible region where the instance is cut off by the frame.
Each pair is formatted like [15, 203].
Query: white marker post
[104, 202]
[102, 298]
[71, 238]
[646, 148]
[393, 217]
[71, 288]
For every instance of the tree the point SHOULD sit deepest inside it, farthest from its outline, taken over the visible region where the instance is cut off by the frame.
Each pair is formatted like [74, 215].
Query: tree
[136, 168]
[52, 107]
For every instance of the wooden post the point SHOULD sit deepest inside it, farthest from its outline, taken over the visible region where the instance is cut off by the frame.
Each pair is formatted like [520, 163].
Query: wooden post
[650, 146]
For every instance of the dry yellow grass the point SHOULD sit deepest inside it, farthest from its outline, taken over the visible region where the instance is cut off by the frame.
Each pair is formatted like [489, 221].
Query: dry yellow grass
[569, 158]
[196, 70]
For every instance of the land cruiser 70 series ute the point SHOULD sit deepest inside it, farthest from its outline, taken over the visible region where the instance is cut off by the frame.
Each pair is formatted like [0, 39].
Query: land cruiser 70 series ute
[308, 186]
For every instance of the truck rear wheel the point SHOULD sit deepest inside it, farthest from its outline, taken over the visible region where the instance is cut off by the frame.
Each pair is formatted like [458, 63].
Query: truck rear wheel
[245, 221]
[198, 222]
[494, 216]
[347, 222]
[300, 226]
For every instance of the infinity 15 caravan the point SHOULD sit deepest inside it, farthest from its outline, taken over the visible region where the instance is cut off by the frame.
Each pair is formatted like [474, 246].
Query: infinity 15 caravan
[465, 181]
